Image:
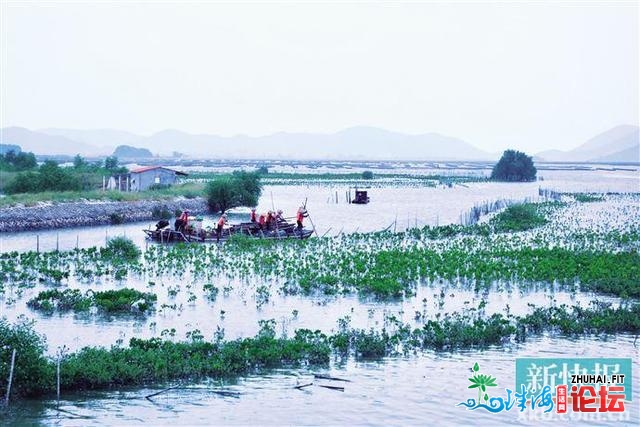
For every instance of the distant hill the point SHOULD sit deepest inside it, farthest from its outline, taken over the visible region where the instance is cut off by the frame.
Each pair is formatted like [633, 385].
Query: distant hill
[106, 138]
[43, 144]
[366, 143]
[5, 148]
[631, 154]
[619, 144]
[352, 143]
[126, 151]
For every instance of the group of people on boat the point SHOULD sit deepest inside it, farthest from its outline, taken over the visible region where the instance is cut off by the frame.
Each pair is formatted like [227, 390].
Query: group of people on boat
[271, 221]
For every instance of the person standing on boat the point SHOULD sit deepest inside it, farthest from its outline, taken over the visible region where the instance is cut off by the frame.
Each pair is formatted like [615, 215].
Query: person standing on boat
[253, 215]
[302, 213]
[183, 221]
[221, 222]
[269, 220]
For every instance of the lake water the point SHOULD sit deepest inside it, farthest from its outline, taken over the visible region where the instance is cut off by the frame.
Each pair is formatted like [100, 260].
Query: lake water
[418, 390]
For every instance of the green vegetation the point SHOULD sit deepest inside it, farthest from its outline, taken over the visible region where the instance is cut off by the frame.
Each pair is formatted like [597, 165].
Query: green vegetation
[188, 190]
[148, 360]
[240, 189]
[588, 198]
[124, 300]
[367, 175]
[121, 300]
[121, 249]
[51, 177]
[514, 166]
[16, 162]
[67, 300]
[519, 218]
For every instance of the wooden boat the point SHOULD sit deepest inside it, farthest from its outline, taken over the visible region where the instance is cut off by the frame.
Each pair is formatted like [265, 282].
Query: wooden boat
[282, 230]
[362, 198]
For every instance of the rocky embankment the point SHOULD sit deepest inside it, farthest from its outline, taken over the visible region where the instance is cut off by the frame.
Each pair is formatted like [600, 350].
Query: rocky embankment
[72, 214]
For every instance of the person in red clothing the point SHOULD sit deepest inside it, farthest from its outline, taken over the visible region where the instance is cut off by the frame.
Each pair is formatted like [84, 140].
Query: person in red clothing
[182, 222]
[221, 222]
[270, 220]
[254, 219]
[302, 213]
[262, 220]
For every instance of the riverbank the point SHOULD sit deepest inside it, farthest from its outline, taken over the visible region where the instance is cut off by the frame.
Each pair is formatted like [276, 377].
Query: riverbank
[86, 213]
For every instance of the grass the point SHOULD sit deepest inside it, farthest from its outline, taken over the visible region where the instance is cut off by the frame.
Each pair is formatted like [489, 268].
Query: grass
[189, 190]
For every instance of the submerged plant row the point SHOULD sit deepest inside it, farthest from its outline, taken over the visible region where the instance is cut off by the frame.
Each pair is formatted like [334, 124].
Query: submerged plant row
[382, 264]
[152, 360]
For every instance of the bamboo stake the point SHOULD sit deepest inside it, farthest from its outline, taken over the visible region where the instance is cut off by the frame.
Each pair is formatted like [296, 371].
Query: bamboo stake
[13, 362]
[58, 379]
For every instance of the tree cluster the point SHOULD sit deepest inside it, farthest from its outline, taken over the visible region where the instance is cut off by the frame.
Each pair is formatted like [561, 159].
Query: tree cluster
[238, 189]
[51, 177]
[12, 161]
[514, 166]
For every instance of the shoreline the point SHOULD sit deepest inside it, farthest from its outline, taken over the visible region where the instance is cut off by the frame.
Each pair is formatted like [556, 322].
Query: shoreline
[88, 213]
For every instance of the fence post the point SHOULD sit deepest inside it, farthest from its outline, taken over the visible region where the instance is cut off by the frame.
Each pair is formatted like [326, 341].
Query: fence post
[37, 243]
[13, 362]
[58, 379]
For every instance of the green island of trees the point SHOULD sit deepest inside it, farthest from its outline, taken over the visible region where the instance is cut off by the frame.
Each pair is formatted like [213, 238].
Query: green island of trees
[514, 166]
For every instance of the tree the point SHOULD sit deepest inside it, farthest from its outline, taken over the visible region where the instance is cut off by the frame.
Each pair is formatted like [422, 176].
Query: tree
[367, 175]
[50, 177]
[514, 166]
[79, 162]
[111, 162]
[18, 162]
[239, 189]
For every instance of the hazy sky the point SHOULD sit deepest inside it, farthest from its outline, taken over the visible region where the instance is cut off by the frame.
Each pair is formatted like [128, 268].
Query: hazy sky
[532, 75]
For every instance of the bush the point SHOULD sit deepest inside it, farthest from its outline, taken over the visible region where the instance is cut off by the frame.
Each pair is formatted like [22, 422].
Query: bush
[123, 299]
[32, 375]
[121, 249]
[116, 218]
[160, 212]
[49, 177]
[239, 189]
[514, 166]
[67, 300]
[367, 175]
[518, 218]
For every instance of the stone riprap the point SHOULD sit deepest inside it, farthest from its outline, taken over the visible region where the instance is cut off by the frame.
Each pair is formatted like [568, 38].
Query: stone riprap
[72, 214]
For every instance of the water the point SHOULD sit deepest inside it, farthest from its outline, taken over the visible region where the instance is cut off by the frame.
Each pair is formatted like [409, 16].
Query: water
[417, 390]
[396, 207]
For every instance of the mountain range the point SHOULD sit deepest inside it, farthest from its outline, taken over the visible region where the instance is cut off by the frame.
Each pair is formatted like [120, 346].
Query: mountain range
[619, 144]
